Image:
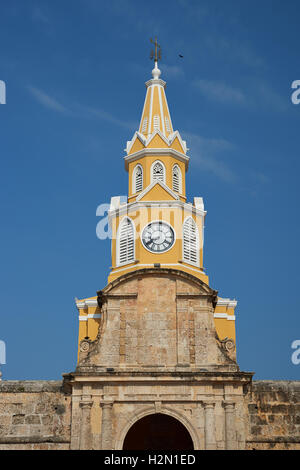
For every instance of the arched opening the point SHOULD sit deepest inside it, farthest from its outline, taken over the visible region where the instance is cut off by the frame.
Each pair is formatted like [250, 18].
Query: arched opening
[158, 432]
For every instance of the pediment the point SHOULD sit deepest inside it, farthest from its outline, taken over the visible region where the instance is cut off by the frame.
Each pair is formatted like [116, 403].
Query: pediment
[157, 191]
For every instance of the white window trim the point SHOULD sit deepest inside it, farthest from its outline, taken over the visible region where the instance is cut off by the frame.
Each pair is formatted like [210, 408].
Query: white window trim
[134, 191]
[197, 263]
[180, 178]
[164, 168]
[118, 243]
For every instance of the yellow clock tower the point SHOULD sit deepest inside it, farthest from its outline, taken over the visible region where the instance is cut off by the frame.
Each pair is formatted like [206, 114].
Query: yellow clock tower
[156, 227]
[157, 362]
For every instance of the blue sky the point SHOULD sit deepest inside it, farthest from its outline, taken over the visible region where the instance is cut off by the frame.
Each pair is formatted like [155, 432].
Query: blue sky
[75, 74]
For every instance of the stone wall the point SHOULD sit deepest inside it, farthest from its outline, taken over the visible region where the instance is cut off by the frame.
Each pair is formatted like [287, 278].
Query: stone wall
[34, 415]
[37, 415]
[274, 415]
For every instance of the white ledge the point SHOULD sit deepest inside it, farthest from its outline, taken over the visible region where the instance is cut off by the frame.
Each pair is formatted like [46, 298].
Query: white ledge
[86, 303]
[226, 303]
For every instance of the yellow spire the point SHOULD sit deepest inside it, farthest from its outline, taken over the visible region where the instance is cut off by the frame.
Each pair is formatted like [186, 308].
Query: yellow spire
[156, 115]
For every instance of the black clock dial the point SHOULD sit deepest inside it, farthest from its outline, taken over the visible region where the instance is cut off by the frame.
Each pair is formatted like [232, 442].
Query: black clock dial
[158, 237]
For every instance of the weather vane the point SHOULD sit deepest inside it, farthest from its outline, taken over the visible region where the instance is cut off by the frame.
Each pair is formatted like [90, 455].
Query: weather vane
[156, 54]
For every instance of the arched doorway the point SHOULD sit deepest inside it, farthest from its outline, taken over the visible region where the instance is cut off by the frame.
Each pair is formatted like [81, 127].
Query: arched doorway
[158, 432]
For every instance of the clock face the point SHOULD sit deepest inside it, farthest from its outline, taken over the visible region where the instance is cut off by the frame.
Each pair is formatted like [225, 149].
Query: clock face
[158, 237]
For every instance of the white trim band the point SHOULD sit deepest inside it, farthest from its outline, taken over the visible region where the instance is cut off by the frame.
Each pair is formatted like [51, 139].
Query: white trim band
[224, 316]
[227, 303]
[90, 315]
[86, 303]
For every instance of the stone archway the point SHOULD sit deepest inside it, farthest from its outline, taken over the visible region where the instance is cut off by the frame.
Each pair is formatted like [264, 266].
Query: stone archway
[158, 432]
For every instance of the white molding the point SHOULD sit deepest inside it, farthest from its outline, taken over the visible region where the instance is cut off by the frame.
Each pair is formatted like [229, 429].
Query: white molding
[226, 302]
[150, 109]
[224, 316]
[154, 183]
[156, 151]
[155, 81]
[90, 315]
[126, 209]
[199, 203]
[146, 141]
[86, 303]
[161, 110]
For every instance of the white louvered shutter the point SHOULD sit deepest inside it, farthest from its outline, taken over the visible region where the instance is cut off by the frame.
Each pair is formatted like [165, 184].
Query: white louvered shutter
[126, 242]
[145, 122]
[176, 178]
[167, 124]
[156, 122]
[158, 172]
[138, 179]
[190, 242]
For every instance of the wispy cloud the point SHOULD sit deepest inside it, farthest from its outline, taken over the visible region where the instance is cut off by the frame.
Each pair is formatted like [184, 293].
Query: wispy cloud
[171, 71]
[259, 95]
[88, 112]
[47, 101]
[78, 110]
[220, 91]
[209, 154]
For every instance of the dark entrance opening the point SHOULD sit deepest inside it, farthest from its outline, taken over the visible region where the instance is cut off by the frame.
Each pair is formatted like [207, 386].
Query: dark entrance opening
[158, 432]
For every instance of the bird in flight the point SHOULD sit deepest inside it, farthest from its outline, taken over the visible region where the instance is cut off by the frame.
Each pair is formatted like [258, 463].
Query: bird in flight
[181, 56]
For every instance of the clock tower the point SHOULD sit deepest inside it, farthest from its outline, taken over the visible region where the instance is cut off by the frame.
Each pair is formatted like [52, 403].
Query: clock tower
[157, 362]
[157, 226]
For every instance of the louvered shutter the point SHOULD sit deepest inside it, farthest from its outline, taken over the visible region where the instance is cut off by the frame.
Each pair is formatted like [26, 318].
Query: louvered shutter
[176, 178]
[190, 242]
[138, 178]
[167, 124]
[126, 242]
[156, 122]
[145, 122]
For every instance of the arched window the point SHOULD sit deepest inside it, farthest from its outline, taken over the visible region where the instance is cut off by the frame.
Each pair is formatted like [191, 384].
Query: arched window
[158, 172]
[190, 242]
[137, 179]
[125, 242]
[176, 179]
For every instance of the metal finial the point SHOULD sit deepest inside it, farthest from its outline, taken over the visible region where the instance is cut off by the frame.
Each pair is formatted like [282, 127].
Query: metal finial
[156, 54]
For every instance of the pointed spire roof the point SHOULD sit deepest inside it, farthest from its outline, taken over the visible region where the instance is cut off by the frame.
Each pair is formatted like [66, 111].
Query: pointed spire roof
[155, 132]
[156, 114]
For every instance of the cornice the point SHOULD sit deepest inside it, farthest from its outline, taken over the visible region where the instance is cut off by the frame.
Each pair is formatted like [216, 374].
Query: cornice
[155, 81]
[80, 304]
[226, 303]
[146, 140]
[156, 151]
[136, 205]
